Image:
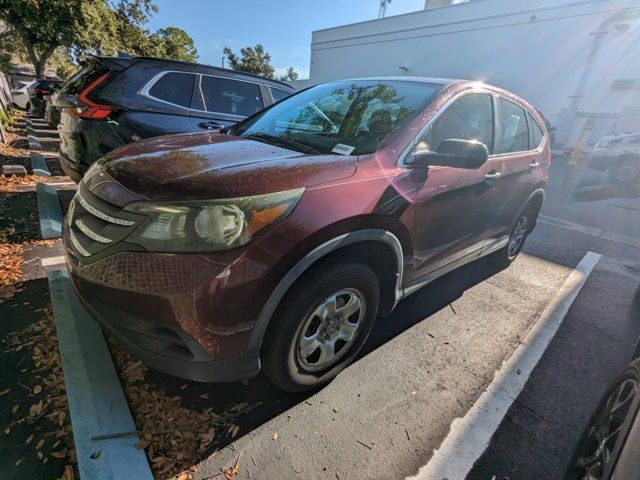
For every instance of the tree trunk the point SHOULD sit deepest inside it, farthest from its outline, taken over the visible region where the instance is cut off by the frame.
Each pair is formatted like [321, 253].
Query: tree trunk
[39, 64]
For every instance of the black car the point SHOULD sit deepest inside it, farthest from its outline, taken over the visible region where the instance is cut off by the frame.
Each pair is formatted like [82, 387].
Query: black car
[51, 111]
[39, 89]
[113, 101]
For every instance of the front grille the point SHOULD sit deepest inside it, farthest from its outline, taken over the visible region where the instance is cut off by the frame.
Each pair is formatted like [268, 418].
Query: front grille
[95, 224]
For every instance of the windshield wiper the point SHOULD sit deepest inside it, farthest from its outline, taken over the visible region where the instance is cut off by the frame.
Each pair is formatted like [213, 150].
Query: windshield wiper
[280, 141]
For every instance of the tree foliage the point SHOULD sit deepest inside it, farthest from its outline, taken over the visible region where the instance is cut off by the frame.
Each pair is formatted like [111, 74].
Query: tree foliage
[173, 42]
[251, 60]
[290, 74]
[48, 27]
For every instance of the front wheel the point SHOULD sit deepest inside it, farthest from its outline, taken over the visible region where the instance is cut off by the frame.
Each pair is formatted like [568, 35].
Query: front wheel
[626, 171]
[320, 325]
[606, 433]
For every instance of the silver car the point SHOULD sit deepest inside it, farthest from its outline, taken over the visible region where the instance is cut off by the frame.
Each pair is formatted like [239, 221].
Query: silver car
[619, 155]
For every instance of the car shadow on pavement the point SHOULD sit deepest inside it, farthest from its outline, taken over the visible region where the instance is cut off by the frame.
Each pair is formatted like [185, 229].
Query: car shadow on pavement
[266, 401]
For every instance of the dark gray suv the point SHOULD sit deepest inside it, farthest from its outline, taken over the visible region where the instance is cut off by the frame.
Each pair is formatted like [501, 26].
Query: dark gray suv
[113, 101]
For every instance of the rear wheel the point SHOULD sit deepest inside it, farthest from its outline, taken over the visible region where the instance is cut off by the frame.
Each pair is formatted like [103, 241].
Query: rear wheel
[320, 325]
[517, 237]
[626, 171]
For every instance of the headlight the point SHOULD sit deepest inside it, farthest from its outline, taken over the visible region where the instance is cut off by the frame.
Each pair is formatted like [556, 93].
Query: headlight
[209, 225]
[607, 144]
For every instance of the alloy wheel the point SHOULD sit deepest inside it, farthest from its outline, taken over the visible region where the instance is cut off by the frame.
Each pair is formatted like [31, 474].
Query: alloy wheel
[602, 440]
[328, 333]
[625, 173]
[517, 237]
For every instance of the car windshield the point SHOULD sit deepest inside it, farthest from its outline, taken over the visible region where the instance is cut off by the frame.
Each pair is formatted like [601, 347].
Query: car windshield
[348, 118]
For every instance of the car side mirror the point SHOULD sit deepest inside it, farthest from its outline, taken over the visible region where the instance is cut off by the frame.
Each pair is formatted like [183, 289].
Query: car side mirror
[453, 153]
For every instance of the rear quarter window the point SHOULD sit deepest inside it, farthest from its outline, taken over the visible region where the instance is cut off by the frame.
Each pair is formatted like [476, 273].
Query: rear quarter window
[174, 87]
[536, 133]
[278, 94]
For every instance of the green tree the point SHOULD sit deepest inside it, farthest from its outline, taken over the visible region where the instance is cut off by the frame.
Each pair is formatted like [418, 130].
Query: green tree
[80, 25]
[11, 48]
[252, 60]
[173, 42]
[290, 74]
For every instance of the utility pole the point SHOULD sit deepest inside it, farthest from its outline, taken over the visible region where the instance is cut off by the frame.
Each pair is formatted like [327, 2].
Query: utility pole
[382, 11]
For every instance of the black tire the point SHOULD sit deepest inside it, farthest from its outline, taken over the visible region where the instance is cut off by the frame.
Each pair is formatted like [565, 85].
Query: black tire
[506, 256]
[281, 351]
[588, 444]
[625, 172]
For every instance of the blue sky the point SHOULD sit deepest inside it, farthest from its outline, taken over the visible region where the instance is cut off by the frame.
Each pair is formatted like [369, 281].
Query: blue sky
[283, 26]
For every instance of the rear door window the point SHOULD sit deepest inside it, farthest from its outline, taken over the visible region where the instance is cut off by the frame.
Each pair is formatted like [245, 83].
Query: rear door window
[513, 130]
[230, 97]
[175, 88]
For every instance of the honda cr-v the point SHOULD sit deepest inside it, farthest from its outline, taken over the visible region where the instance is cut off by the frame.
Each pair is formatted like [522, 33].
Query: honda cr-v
[278, 242]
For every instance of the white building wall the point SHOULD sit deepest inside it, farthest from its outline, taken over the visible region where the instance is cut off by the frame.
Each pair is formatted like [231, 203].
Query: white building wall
[561, 55]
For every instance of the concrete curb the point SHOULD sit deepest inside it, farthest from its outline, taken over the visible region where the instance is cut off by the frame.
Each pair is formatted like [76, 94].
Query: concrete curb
[97, 404]
[49, 210]
[34, 144]
[39, 165]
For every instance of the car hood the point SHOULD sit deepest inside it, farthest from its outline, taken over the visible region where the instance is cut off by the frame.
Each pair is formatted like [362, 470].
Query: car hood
[211, 165]
[617, 136]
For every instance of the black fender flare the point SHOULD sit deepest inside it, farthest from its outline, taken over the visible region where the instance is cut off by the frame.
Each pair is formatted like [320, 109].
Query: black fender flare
[383, 236]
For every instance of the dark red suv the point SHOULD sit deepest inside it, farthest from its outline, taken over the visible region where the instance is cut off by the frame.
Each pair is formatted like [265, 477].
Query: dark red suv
[279, 241]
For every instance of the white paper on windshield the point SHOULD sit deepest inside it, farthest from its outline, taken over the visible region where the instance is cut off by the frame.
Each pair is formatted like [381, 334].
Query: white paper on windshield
[343, 149]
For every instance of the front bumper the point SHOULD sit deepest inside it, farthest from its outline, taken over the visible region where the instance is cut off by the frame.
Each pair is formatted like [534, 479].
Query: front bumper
[182, 313]
[169, 349]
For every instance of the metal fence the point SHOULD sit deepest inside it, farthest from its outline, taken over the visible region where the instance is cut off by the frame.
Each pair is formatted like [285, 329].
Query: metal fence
[5, 91]
[5, 101]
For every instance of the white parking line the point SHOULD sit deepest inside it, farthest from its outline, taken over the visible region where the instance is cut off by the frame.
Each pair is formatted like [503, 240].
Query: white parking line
[469, 436]
[592, 231]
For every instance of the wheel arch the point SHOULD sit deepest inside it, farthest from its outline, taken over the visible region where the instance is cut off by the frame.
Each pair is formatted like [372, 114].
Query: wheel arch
[534, 202]
[351, 244]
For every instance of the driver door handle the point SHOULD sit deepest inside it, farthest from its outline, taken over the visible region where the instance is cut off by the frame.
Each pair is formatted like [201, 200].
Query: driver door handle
[533, 166]
[210, 125]
[492, 177]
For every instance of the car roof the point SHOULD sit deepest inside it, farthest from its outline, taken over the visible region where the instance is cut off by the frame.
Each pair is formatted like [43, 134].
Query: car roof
[271, 81]
[432, 80]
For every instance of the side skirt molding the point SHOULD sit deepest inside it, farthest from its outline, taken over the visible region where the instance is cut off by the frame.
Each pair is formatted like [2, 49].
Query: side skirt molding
[439, 272]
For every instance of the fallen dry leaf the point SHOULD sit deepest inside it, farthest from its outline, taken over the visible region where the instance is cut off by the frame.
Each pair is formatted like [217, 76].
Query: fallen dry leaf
[68, 473]
[37, 389]
[4, 392]
[276, 436]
